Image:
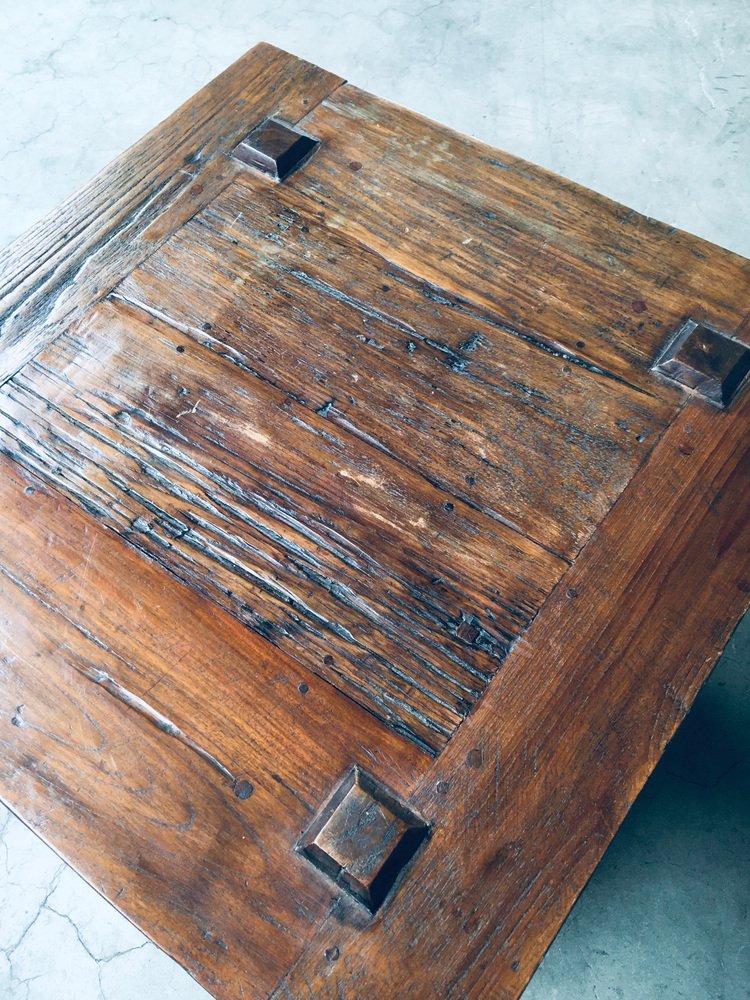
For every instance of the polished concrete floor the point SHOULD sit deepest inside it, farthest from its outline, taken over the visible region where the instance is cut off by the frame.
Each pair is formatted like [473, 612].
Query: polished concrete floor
[646, 101]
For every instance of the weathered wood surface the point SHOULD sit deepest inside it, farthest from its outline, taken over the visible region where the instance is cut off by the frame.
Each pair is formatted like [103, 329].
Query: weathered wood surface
[136, 718]
[311, 469]
[531, 790]
[333, 551]
[50, 275]
[572, 270]
[432, 379]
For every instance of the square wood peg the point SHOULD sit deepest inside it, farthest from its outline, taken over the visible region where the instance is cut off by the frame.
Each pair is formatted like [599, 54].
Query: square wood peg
[363, 838]
[275, 148]
[706, 360]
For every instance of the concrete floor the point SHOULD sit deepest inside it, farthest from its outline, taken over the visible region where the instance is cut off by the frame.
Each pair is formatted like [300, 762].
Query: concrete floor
[646, 101]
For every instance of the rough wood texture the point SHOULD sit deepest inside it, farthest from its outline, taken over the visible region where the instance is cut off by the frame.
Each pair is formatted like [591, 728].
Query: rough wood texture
[332, 550]
[432, 379]
[146, 735]
[311, 471]
[53, 273]
[577, 273]
[529, 793]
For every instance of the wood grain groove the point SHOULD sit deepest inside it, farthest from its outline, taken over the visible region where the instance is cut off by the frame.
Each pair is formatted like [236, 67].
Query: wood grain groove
[161, 722]
[475, 310]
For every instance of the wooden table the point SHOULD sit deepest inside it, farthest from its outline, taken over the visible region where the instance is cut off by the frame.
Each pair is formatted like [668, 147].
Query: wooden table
[375, 505]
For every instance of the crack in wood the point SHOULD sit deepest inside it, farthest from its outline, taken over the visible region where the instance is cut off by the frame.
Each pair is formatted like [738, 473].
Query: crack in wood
[241, 788]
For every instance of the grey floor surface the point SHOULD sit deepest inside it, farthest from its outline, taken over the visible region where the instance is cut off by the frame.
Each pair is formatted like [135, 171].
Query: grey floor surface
[646, 101]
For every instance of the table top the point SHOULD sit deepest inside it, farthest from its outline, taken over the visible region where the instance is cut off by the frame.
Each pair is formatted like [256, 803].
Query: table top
[416, 479]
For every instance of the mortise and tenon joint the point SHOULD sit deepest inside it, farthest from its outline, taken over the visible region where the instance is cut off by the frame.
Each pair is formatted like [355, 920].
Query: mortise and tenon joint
[363, 838]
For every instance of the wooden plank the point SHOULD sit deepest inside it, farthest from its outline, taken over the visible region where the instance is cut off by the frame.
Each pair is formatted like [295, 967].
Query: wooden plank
[69, 260]
[146, 736]
[330, 549]
[529, 793]
[560, 264]
[511, 429]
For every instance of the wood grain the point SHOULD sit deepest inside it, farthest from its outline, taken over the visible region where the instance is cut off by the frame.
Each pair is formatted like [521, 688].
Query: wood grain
[69, 260]
[145, 734]
[574, 271]
[330, 549]
[531, 790]
[515, 431]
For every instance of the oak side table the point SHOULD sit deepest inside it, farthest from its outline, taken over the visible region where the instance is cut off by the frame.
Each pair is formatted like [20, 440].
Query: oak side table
[375, 504]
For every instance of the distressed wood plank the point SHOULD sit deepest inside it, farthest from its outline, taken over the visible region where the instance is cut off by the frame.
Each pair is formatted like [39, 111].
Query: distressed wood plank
[331, 550]
[562, 265]
[529, 793]
[146, 736]
[69, 260]
[520, 433]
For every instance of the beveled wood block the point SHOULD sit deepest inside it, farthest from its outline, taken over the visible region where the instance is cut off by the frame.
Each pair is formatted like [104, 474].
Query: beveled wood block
[706, 360]
[275, 148]
[363, 838]
[370, 524]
